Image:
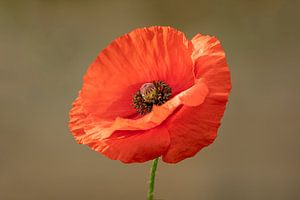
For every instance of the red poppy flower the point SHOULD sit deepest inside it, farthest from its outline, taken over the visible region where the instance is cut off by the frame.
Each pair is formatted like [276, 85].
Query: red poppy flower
[152, 93]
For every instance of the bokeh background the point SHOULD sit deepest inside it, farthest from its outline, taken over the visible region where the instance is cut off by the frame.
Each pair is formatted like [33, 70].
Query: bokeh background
[45, 49]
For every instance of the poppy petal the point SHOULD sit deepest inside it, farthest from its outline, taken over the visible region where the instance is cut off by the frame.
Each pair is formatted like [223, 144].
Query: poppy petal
[193, 128]
[143, 55]
[210, 64]
[126, 146]
[134, 146]
[77, 117]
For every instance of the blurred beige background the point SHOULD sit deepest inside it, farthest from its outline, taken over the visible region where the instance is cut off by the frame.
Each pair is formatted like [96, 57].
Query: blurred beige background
[45, 49]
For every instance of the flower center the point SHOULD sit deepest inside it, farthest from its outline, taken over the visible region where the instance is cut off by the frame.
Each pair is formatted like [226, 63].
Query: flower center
[155, 93]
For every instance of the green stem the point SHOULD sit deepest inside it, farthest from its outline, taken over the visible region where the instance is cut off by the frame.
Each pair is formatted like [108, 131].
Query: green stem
[152, 179]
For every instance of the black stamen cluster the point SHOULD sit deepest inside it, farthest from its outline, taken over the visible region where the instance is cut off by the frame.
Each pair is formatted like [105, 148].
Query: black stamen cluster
[163, 94]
